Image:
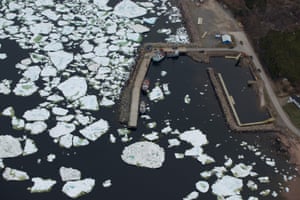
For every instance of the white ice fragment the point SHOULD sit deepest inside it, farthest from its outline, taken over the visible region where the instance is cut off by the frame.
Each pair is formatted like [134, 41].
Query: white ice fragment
[129, 9]
[59, 111]
[49, 71]
[41, 185]
[179, 155]
[138, 28]
[206, 174]
[69, 174]
[241, 170]
[151, 20]
[1, 164]
[151, 136]
[44, 3]
[173, 142]
[227, 186]
[202, 186]
[50, 14]
[135, 37]
[86, 47]
[5, 87]
[106, 102]
[191, 196]
[10, 174]
[9, 147]
[51, 157]
[270, 163]
[66, 141]
[77, 141]
[25, 89]
[252, 198]
[30, 147]
[144, 154]
[75, 189]
[187, 99]
[264, 179]
[194, 137]
[166, 130]
[205, 159]
[36, 127]
[107, 183]
[73, 88]
[9, 111]
[112, 138]
[17, 124]
[156, 94]
[32, 73]
[195, 151]
[265, 192]
[41, 28]
[60, 59]
[37, 114]
[228, 162]
[95, 130]
[53, 46]
[3, 56]
[151, 125]
[252, 185]
[89, 103]
[61, 128]
[102, 4]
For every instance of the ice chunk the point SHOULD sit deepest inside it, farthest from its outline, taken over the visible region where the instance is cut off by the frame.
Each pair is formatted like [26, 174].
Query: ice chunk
[173, 142]
[227, 186]
[202, 186]
[138, 28]
[53, 46]
[166, 89]
[156, 94]
[251, 185]
[151, 136]
[265, 192]
[25, 89]
[60, 59]
[106, 102]
[9, 147]
[264, 179]
[89, 103]
[32, 73]
[10, 174]
[59, 111]
[51, 157]
[150, 20]
[102, 4]
[37, 114]
[191, 196]
[127, 8]
[69, 174]
[151, 125]
[107, 183]
[75, 189]
[44, 3]
[206, 174]
[73, 88]
[36, 127]
[112, 138]
[77, 141]
[86, 47]
[17, 123]
[50, 14]
[30, 147]
[61, 128]
[179, 155]
[144, 154]
[41, 28]
[1, 164]
[3, 56]
[241, 170]
[9, 111]
[194, 137]
[95, 130]
[5, 87]
[187, 99]
[49, 71]
[41, 185]
[205, 159]
[66, 141]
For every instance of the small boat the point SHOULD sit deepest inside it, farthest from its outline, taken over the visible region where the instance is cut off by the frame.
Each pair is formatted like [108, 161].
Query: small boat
[172, 54]
[145, 85]
[158, 56]
[143, 107]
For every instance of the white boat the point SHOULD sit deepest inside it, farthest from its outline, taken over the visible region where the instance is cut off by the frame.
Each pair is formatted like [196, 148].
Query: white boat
[158, 56]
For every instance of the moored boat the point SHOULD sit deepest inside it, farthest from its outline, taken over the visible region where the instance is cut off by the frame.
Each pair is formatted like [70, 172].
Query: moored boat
[143, 107]
[145, 85]
[158, 56]
[172, 54]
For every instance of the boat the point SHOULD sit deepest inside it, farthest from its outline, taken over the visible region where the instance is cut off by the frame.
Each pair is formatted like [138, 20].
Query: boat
[145, 85]
[143, 107]
[158, 56]
[172, 54]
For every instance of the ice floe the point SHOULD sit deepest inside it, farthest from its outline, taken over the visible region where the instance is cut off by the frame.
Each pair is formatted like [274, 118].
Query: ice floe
[36, 127]
[194, 137]
[138, 28]
[187, 99]
[25, 89]
[107, 183]
[192, 195]
[60, 59]
[30, 147]
[69, 174]
[156, 94]
[202, 186]
[89, 103]
[41, 185]
[51, 157]
[241, 170]
[95, 130]
[73, 88]
[61, 128]
[77, 141]
[9, 147]
[37, 114]
[10, 174]
[5, 87]
[227, 186]
[9, 111]
[75, 189]
[144, 154]
[173, 142]
[127, 8]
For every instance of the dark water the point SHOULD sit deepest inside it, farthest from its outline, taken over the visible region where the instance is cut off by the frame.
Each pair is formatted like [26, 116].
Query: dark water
[101, 160]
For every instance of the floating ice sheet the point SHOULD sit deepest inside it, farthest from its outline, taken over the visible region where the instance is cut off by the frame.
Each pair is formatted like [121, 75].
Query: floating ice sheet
[9, 147]
[202, 186]
[241, 170]
[194, 137]
[41, 185]
[95, 130]
[156, 94]
[25, 89]
[61, 128]
[144, 154]
[60, 59]
[227, 186]
[75, 189]
[36, 127]
[10, 174]
[73, 88]
[30, 147]
[69, 174]
[127, 8]
[37, 114]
